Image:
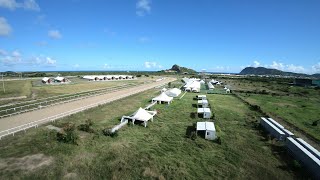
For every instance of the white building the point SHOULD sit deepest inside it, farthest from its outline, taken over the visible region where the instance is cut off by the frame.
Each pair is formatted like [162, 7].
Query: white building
[201, 97]
[208, 128]
[204, 112]
[203, 103]
[60, 79]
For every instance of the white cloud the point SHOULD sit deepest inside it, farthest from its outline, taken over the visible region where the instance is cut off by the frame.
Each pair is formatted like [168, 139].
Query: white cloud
[106, 66]
[144, 39]
[3, 52]
[256, 64]
[50, 61]
[149, 64]
[16, 54]
[276, 65]
[13, 4]
[143, 7]
[54, 34]
[281, 66]
[316, 68]
[5, 28]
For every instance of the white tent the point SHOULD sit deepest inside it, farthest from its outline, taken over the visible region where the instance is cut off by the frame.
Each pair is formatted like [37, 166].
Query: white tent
[175, 92]
[46, 80]
[163, 90]
[228, 91]
[162, 98]
[60, 79]
[140, 115]
[90, 78]
[210, 85]
[202, 82]
[209, 128]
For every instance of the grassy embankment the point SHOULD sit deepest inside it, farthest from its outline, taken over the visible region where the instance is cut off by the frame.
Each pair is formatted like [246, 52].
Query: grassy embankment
[161, 150]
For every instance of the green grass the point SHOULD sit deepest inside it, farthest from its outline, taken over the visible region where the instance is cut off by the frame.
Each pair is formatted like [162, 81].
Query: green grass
[300, 111]
[15, 88]
[161, 150]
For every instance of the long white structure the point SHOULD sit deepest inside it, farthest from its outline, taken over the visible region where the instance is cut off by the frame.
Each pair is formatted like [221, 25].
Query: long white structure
[210, 86]
[311, 162]
[310, 148]
[209, 128]
[272, 129]
[275, 123]
[106, 77]
[192, 85]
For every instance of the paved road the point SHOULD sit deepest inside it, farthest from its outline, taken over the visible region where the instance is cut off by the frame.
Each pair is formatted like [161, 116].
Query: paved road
[17, 120]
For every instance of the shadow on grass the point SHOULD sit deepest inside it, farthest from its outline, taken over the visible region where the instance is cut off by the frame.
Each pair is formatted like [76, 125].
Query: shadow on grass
[291, 165]
[193, 115]
[190, 129]
[194, 105]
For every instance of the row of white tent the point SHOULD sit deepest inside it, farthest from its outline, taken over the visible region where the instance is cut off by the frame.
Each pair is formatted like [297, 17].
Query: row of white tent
[59, 79]
[167, 96]
[192, 85]
[106, 77]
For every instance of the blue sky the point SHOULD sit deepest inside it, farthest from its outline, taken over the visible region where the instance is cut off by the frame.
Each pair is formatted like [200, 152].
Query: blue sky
[219, 36]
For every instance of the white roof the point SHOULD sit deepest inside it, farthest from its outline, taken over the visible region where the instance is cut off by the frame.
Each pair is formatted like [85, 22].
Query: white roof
[203, 110]
[59, 78]
[205, 126]
[163, 97]
[175, 92]
[142, 115]
[202, 101]
[201, 96]
[88, 77]
[163, 89]
[45, 79]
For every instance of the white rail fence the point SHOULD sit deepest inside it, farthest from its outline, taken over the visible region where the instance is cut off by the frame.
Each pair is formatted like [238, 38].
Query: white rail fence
[36, 123]
[49, 103]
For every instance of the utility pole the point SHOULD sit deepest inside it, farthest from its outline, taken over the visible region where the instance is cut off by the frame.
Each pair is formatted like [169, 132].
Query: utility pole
[4, 90]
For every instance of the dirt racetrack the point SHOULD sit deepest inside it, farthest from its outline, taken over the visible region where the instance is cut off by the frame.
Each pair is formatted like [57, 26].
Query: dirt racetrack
[24, 118]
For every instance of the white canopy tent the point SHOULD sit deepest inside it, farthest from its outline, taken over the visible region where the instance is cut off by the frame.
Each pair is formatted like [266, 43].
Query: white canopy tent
[163, 90]
[175, 92]
[60, 79]
[46, 80]
[140, 115]
[162, 98]
[201, 97]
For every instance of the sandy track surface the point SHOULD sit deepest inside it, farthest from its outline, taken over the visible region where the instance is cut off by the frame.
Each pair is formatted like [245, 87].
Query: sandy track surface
[17, 120]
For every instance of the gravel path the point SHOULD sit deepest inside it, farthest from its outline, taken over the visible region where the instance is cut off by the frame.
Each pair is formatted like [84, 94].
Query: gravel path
[17, 120]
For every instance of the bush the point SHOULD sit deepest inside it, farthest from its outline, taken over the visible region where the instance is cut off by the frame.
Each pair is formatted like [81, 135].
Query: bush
[315, 123]
[139, 75]
[68, 134]
[87, 126]
[108, 132]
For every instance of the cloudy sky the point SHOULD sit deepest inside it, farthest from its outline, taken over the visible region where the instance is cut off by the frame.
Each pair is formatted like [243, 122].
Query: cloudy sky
[219, 36]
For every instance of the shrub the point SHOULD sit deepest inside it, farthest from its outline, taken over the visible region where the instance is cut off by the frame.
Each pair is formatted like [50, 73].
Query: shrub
[315, 123]
[139, 75]
[68, 134]
[108, 132]
[87, 126]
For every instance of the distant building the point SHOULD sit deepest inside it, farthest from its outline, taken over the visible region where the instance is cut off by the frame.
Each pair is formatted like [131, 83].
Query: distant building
[302, 82]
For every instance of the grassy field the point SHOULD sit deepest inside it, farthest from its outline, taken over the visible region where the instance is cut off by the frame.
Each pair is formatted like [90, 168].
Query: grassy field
[160, 151]
[16, 89]
[300, 111]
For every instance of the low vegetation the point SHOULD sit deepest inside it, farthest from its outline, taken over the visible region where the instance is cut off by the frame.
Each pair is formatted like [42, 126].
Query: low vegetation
[163, 150]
